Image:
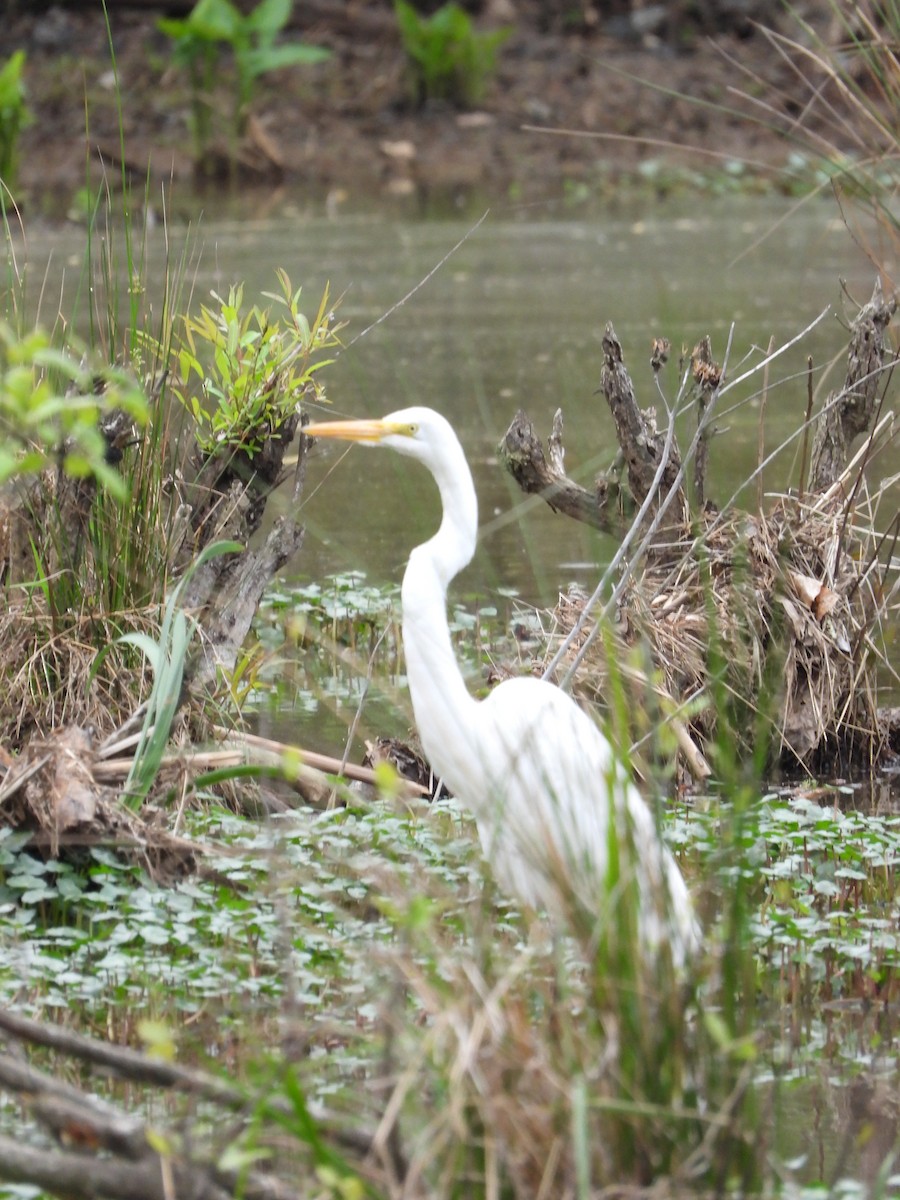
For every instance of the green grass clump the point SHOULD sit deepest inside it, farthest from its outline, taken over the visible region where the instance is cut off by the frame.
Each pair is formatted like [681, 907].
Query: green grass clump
[448, 58]
[14, 116]
[198, 43]
[53, 404]
[251, 371]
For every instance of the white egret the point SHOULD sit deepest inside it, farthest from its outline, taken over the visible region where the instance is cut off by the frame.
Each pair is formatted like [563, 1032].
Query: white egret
[557, 818]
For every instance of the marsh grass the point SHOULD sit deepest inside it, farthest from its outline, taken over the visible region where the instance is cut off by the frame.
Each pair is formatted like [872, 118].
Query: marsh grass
[108, 544]
[198, 42]
[839, 110]
[112, 472]
[359, 969]
[101, 554]
[553, 1066]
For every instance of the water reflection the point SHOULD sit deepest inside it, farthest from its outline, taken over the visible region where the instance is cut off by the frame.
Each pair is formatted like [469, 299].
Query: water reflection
[512, 319]
[836, 1113]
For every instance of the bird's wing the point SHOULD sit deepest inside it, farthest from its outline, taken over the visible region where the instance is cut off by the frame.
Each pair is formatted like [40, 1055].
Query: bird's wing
[550, 787]
[562, 821]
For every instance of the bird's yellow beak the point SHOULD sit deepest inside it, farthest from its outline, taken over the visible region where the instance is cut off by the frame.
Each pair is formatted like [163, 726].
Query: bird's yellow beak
[352, 431]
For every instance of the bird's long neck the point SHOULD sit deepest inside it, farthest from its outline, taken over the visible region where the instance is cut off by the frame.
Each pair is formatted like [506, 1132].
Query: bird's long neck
[445, 712]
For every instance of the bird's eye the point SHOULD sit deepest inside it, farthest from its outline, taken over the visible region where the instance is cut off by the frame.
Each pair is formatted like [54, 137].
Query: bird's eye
[412, 430]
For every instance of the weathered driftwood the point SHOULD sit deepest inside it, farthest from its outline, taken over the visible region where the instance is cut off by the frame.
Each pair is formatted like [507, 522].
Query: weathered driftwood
[612, 503]
[639, 439]
[849, 412]
[227, 503]
[607, 507]
[794, 595]
[59, 788]
[66, 790]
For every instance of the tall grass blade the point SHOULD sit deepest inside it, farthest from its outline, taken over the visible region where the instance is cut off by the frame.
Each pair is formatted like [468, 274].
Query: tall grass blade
[167, 657]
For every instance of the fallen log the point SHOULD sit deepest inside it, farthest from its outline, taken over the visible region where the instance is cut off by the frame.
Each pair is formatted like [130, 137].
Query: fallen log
[99, 1150]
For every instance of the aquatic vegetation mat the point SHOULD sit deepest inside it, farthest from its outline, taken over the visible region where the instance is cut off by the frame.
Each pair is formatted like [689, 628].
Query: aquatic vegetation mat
[367, 1004]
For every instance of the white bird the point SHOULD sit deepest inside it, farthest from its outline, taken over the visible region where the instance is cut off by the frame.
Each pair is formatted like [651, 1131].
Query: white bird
[560, 823]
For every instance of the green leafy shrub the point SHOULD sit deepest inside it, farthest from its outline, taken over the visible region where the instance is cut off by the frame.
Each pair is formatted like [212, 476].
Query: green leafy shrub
[14, 116]
[210, 27]
[260, 368]
[51, 407]
[448, 58]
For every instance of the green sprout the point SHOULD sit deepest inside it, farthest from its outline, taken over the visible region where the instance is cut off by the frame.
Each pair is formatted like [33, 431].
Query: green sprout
[261, 368]
[448, 58]
[199, 40]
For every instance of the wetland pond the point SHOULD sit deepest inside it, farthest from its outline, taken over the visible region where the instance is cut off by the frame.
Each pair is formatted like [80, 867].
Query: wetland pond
[502, 313]
[512, 318]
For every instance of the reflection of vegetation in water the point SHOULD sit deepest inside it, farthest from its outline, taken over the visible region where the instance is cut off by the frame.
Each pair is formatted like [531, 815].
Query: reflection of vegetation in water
[825, 886]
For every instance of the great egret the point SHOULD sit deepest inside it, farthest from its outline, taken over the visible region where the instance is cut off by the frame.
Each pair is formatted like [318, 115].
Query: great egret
[557, 818]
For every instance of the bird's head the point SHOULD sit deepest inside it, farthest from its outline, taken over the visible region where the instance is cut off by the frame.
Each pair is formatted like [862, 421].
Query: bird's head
[426, 436]
[417, 432]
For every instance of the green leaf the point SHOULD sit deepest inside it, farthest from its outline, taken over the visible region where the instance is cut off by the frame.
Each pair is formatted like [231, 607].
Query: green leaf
[292, 54]
[269, 17]
[150, 649]
[216, 20]
[237, 1158]
[157, 1038]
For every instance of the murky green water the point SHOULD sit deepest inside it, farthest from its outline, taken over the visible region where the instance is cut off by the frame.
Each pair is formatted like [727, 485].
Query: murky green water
[513, 319]
[479, 321]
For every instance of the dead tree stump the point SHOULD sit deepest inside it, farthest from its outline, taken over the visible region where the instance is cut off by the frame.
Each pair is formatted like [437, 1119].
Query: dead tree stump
[793, 595]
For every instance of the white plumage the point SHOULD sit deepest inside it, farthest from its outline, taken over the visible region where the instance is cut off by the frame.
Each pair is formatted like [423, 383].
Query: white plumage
[531, 766]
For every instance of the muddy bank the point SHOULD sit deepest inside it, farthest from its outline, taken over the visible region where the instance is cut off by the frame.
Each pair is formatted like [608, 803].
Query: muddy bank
[346, 129]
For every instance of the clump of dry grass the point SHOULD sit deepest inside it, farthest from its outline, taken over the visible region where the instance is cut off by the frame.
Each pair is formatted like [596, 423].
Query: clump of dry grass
[538, 1069]
[81, 570]
[840, 106]
[52, 676]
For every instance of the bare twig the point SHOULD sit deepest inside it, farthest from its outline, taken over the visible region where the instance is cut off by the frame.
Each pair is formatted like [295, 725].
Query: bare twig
[308, 758]
[807, 422]
[86, 1177]
[761, 432]
[121, 1060]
